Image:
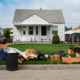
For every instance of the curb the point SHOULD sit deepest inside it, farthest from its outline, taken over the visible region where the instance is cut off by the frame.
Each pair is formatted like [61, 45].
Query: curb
[45, 67]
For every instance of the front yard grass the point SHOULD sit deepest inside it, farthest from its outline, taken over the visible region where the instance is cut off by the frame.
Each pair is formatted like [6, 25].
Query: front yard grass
[48, 61]
[45, 48]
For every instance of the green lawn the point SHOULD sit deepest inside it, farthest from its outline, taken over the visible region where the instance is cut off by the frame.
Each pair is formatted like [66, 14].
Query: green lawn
[45, 48]
[41, 62]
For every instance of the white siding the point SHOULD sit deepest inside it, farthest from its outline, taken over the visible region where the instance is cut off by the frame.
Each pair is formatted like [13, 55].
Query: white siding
[49, 32]
[17, 33]
[34, 19]
[61, 32]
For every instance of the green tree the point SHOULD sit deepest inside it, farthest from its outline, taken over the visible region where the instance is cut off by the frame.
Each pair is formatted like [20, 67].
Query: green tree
[56, 39]
[7, 34]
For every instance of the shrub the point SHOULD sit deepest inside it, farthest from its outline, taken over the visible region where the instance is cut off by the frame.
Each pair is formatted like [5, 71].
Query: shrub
[78, 43]
[56, 39]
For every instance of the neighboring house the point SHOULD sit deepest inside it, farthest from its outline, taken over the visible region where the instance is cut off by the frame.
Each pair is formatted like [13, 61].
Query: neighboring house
[11, 32]
[1, 36]
[38, 24]
[68, 29]
[5, 29]
[1, 32]
[73, 34]
[77, 29]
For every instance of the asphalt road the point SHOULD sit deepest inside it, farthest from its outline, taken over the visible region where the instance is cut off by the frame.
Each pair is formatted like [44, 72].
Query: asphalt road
[46, 73]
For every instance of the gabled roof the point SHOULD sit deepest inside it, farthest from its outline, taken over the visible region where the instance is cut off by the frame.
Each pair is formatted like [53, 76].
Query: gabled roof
[52, 16]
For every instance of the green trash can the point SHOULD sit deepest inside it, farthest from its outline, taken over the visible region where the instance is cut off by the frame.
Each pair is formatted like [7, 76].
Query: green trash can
[12, 61]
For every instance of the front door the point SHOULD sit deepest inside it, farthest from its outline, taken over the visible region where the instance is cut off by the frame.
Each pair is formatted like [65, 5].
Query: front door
[23, 33]
[43, 30]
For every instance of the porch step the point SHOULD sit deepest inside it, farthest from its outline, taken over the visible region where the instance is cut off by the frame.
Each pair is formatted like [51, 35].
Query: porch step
[32, 42]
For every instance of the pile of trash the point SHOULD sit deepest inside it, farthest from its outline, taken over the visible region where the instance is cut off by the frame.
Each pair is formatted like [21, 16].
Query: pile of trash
[32, 55]
[29, 54]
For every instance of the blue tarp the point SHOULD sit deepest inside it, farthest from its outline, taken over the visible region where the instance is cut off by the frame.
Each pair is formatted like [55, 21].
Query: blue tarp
[2, 55]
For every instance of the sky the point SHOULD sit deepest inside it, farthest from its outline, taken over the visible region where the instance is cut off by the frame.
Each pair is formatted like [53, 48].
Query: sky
[70, 9]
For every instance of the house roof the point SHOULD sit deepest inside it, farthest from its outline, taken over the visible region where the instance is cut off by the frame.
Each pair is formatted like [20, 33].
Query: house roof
[77, 28]
[52, 16]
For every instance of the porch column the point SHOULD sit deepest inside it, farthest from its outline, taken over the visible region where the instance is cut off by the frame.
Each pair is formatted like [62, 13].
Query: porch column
[34, 31]
[51, 33]
[39, 30]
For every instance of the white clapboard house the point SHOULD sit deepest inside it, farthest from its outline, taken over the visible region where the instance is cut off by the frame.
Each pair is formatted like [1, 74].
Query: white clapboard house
[38, 24]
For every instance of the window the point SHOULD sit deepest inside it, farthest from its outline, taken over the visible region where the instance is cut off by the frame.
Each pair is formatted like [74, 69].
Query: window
[55, 30]
[31, 30]
[24, 30]
[36, 30]
[24, 27]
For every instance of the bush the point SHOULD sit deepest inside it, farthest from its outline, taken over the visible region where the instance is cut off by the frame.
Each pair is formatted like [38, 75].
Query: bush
[56, 39]
[78, 43]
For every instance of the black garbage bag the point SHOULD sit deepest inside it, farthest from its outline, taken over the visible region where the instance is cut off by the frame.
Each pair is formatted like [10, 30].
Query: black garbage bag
[41, 56]
[62, 54]
[77, 49]
[50, 55]
[34, 59]
[2, 55]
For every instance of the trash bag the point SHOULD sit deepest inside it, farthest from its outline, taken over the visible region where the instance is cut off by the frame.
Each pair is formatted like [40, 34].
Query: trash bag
[50, 55]
[34, 59]
[2, 55]
[71, 47]
[41, 56]
[62, 54]
[77, 49]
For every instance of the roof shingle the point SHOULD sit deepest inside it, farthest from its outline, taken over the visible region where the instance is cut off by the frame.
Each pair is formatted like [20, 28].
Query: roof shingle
[52, 16]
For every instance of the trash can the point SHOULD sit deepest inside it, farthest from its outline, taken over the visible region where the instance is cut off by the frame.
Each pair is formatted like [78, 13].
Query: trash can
[12, 61]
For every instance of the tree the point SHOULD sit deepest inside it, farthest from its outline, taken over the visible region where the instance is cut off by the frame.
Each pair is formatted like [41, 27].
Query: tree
[7, 34]
[56, 39]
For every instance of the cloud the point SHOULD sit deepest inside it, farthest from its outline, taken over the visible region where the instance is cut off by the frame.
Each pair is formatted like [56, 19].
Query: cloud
[72, 3]
[70, 8]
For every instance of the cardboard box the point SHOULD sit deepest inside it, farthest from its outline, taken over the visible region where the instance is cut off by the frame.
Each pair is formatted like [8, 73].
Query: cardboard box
[70, 51]
[3, 46]
[30, 51]
[55, 57]
[71, 60]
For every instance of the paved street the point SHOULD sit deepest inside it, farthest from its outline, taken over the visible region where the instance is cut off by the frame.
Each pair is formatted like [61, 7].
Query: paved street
[46, 74]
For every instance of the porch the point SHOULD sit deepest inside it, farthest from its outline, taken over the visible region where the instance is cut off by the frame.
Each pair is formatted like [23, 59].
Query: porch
[34, 33]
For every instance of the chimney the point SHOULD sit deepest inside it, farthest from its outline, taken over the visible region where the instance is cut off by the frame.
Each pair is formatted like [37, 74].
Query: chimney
[71, 28]
[40, 8]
